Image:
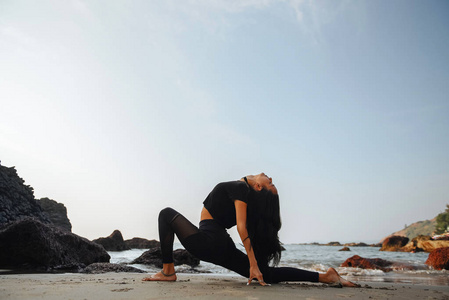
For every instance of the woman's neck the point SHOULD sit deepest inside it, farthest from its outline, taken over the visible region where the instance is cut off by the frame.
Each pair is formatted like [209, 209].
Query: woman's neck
[249, 181]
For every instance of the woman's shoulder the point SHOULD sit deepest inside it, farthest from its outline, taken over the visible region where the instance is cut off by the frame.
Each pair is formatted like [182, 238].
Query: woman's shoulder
[235, 189]
[235, 183]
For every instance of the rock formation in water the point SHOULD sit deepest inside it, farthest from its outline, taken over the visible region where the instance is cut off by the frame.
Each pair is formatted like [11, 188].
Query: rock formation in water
[139, 243]
[56, 212]
[439, 259]
[424, 243]
[31, 244]
[375, 264]
[420, 243]
[394, 243]
[114, 242]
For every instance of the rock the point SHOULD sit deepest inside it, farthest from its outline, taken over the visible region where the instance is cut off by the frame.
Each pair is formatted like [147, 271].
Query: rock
[114, 242]
[31, 244]
[154, 257]
[357, 245]
[345, 249]
[333, 244]
[17, 199]
[56, 212]
[394, 243]
[367, 263]
[98, 268]
[139, 243]
[423, 243]
[375, 264]
[439, 259]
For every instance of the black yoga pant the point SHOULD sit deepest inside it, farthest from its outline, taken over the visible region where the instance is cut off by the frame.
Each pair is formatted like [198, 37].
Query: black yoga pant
[210, 242]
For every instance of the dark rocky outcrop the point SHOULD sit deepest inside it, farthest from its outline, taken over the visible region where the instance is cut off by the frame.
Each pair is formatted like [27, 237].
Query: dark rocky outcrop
[439, 259]
[139, 243]
[394, 243]
[31, 244]
[375, 264]
[97, 268]
[154, 257]
[17, 199]
[114, 242]
[56, 212]
[345, 249]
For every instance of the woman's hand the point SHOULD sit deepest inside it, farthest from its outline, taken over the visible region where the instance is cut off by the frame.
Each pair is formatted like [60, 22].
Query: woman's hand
[254, 273]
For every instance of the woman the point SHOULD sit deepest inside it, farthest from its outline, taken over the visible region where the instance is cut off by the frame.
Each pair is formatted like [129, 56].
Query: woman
[251, 203]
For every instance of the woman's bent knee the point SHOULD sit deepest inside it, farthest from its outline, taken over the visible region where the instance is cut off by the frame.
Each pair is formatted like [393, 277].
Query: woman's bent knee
[167, 214]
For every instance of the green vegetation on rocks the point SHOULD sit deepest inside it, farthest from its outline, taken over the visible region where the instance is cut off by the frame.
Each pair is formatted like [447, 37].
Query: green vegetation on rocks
[442, 221]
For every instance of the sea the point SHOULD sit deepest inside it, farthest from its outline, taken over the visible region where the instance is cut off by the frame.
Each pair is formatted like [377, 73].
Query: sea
[320, 258]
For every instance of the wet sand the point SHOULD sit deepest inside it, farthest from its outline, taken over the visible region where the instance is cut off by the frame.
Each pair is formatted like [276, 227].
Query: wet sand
[191, 286]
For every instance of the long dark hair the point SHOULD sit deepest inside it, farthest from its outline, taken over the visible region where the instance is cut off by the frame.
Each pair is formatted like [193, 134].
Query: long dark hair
[263, 223]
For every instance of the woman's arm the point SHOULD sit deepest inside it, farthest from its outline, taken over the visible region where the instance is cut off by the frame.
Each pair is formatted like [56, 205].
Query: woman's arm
[240, 213]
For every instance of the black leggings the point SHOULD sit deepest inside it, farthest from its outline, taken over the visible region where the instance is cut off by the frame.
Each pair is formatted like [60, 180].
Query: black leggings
[212, 243]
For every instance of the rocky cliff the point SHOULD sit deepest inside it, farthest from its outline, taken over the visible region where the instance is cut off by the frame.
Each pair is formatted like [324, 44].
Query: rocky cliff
[17, 202]
[36, 234]
[17, 199]
[33, 245]
[56, 212]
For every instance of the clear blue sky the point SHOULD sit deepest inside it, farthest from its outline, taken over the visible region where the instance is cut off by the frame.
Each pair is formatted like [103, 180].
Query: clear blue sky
[120, 108]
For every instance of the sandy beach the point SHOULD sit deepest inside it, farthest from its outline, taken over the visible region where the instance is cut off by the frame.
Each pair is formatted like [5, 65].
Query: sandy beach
[129, 286]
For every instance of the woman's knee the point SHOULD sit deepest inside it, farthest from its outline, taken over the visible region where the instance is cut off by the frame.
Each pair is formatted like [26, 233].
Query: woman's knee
[167, 214]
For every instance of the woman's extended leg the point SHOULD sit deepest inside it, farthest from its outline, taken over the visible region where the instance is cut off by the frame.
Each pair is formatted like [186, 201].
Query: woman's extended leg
[238, 262]
[171, 222]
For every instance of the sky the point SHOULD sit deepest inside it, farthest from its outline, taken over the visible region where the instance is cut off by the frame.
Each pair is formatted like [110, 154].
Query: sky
[118, 109]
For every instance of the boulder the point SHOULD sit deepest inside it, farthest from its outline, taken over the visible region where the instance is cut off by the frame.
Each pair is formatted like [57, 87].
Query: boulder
[439, 259]
[139, 243]
[17, 199]
[375, 264]
[424, 243]
[367, 263]
[56, 212]
[154, 257]
[345, 249]
[31, 244]
[394, 243]
[98, 268]
[114, 242]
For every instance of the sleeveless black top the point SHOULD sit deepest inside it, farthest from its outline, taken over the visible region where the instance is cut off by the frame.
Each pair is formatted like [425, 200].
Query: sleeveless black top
[220, 202]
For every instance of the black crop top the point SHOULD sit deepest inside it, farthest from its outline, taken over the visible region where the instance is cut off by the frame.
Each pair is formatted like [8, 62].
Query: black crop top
[220, 202]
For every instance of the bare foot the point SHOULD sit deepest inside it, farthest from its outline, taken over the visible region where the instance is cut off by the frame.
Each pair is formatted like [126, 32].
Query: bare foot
[161, 277]
[332, 277]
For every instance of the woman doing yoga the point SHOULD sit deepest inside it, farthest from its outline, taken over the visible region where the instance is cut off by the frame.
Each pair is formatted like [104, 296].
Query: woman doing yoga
[251, 203]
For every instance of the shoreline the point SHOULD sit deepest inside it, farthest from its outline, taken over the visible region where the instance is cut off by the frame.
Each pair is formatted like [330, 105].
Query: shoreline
[195, 286]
